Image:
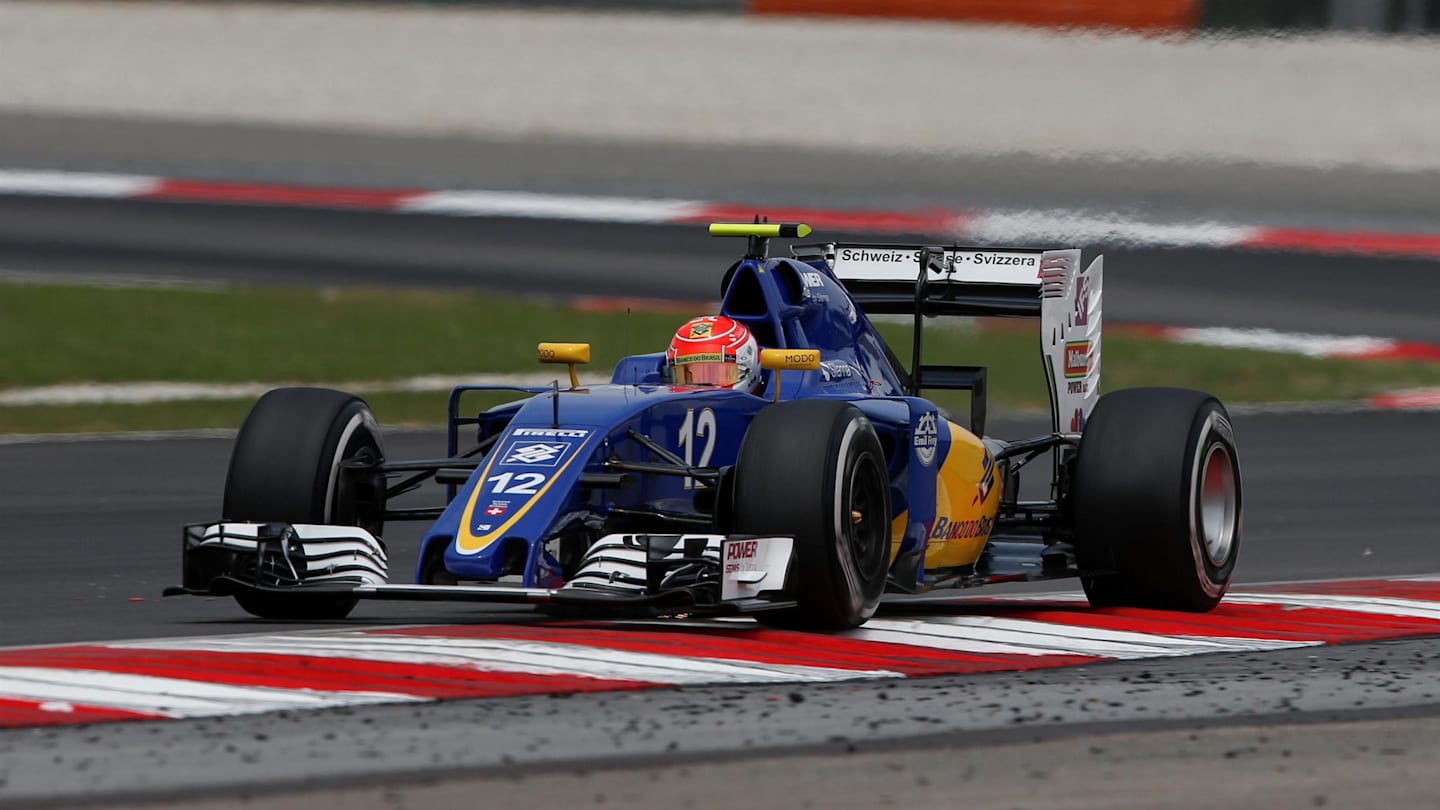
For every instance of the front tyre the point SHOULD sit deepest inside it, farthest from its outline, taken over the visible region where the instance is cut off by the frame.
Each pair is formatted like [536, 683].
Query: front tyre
[288, 467]
[814, 469]
[1157, 500]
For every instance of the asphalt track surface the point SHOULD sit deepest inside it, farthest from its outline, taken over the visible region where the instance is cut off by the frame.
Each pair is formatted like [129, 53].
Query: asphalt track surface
[1339, 197]
[93, 527]
[1346, 295]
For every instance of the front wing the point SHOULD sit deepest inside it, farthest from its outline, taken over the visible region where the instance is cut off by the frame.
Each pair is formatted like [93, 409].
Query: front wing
[622, 574]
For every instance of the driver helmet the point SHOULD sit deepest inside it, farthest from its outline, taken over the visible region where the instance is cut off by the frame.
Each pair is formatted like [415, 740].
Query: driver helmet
[714, 350]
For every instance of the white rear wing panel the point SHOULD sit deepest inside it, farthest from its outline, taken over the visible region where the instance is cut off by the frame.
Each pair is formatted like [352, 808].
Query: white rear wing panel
[886, 279]
[961, 265]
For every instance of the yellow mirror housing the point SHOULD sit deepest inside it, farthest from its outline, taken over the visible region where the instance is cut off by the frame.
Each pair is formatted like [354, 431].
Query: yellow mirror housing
[790, 359]
[577, 353]
[571, 354]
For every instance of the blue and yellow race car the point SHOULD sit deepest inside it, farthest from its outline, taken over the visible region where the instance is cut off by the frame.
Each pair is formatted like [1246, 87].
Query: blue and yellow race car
[823, 484]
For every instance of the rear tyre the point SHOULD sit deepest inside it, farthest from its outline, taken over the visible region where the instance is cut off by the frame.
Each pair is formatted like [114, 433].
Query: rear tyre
[1157, 500]
[814, 469]
[286, 468]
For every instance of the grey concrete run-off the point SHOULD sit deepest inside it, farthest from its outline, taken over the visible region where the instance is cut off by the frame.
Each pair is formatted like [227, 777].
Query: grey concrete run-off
[1328, 132]
[1014, 739]
[1343, 764]
[712, 79]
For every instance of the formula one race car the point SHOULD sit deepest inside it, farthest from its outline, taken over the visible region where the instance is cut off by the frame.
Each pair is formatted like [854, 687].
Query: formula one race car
[831, 485]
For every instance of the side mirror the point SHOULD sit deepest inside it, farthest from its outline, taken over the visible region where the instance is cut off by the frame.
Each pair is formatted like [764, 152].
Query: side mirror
[778, 360]
[569, 354]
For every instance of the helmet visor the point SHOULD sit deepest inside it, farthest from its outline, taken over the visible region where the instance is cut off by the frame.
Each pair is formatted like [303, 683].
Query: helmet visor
[713, 373]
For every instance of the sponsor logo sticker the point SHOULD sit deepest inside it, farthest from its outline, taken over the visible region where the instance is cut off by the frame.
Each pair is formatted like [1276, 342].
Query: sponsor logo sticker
[1077, 358]
[748, 565]
[535, 454]
[703, 357]
[837, 370]
[947, 529]
[485, 518]
[558, 433]
[701, 330]
[927, 437]
[1082, 301]
[743, 550]
[987, 479]
[862, 255]
[997, 259]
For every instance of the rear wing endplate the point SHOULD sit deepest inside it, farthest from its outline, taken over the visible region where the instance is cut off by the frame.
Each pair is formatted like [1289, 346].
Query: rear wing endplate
[921, 281]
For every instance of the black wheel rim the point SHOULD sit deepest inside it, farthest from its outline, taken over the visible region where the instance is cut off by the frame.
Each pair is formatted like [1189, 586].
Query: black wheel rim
[361, 500]
[867, 529]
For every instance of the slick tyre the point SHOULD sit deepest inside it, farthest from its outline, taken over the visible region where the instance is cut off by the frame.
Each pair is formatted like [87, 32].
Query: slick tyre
[1157, 500]
[286, 468]
[814, 469]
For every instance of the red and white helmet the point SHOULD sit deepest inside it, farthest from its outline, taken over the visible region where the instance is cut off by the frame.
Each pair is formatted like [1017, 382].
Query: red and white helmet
[714, 350]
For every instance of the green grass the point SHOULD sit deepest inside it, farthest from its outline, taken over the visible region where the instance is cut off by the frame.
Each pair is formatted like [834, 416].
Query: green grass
[64, 334]
[53, 334]
[1016, 375]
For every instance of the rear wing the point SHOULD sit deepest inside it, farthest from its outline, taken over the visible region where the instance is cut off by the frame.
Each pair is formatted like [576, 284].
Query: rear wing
[922, 281]
[904, 279]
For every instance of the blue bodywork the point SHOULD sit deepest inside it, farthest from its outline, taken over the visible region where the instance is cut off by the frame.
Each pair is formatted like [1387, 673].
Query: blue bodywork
[529, 509]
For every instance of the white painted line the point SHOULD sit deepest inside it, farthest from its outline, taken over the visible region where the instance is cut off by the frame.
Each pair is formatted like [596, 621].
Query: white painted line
[632, 210]
[918, 634]
[512, 655]
[121, 436]
[171, 697]
[111, 281]
[135, 393]
[1029, 637]
[1080, 228]
[77, 184]
[1382, 605]
[1269, 340]
[128, 393]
